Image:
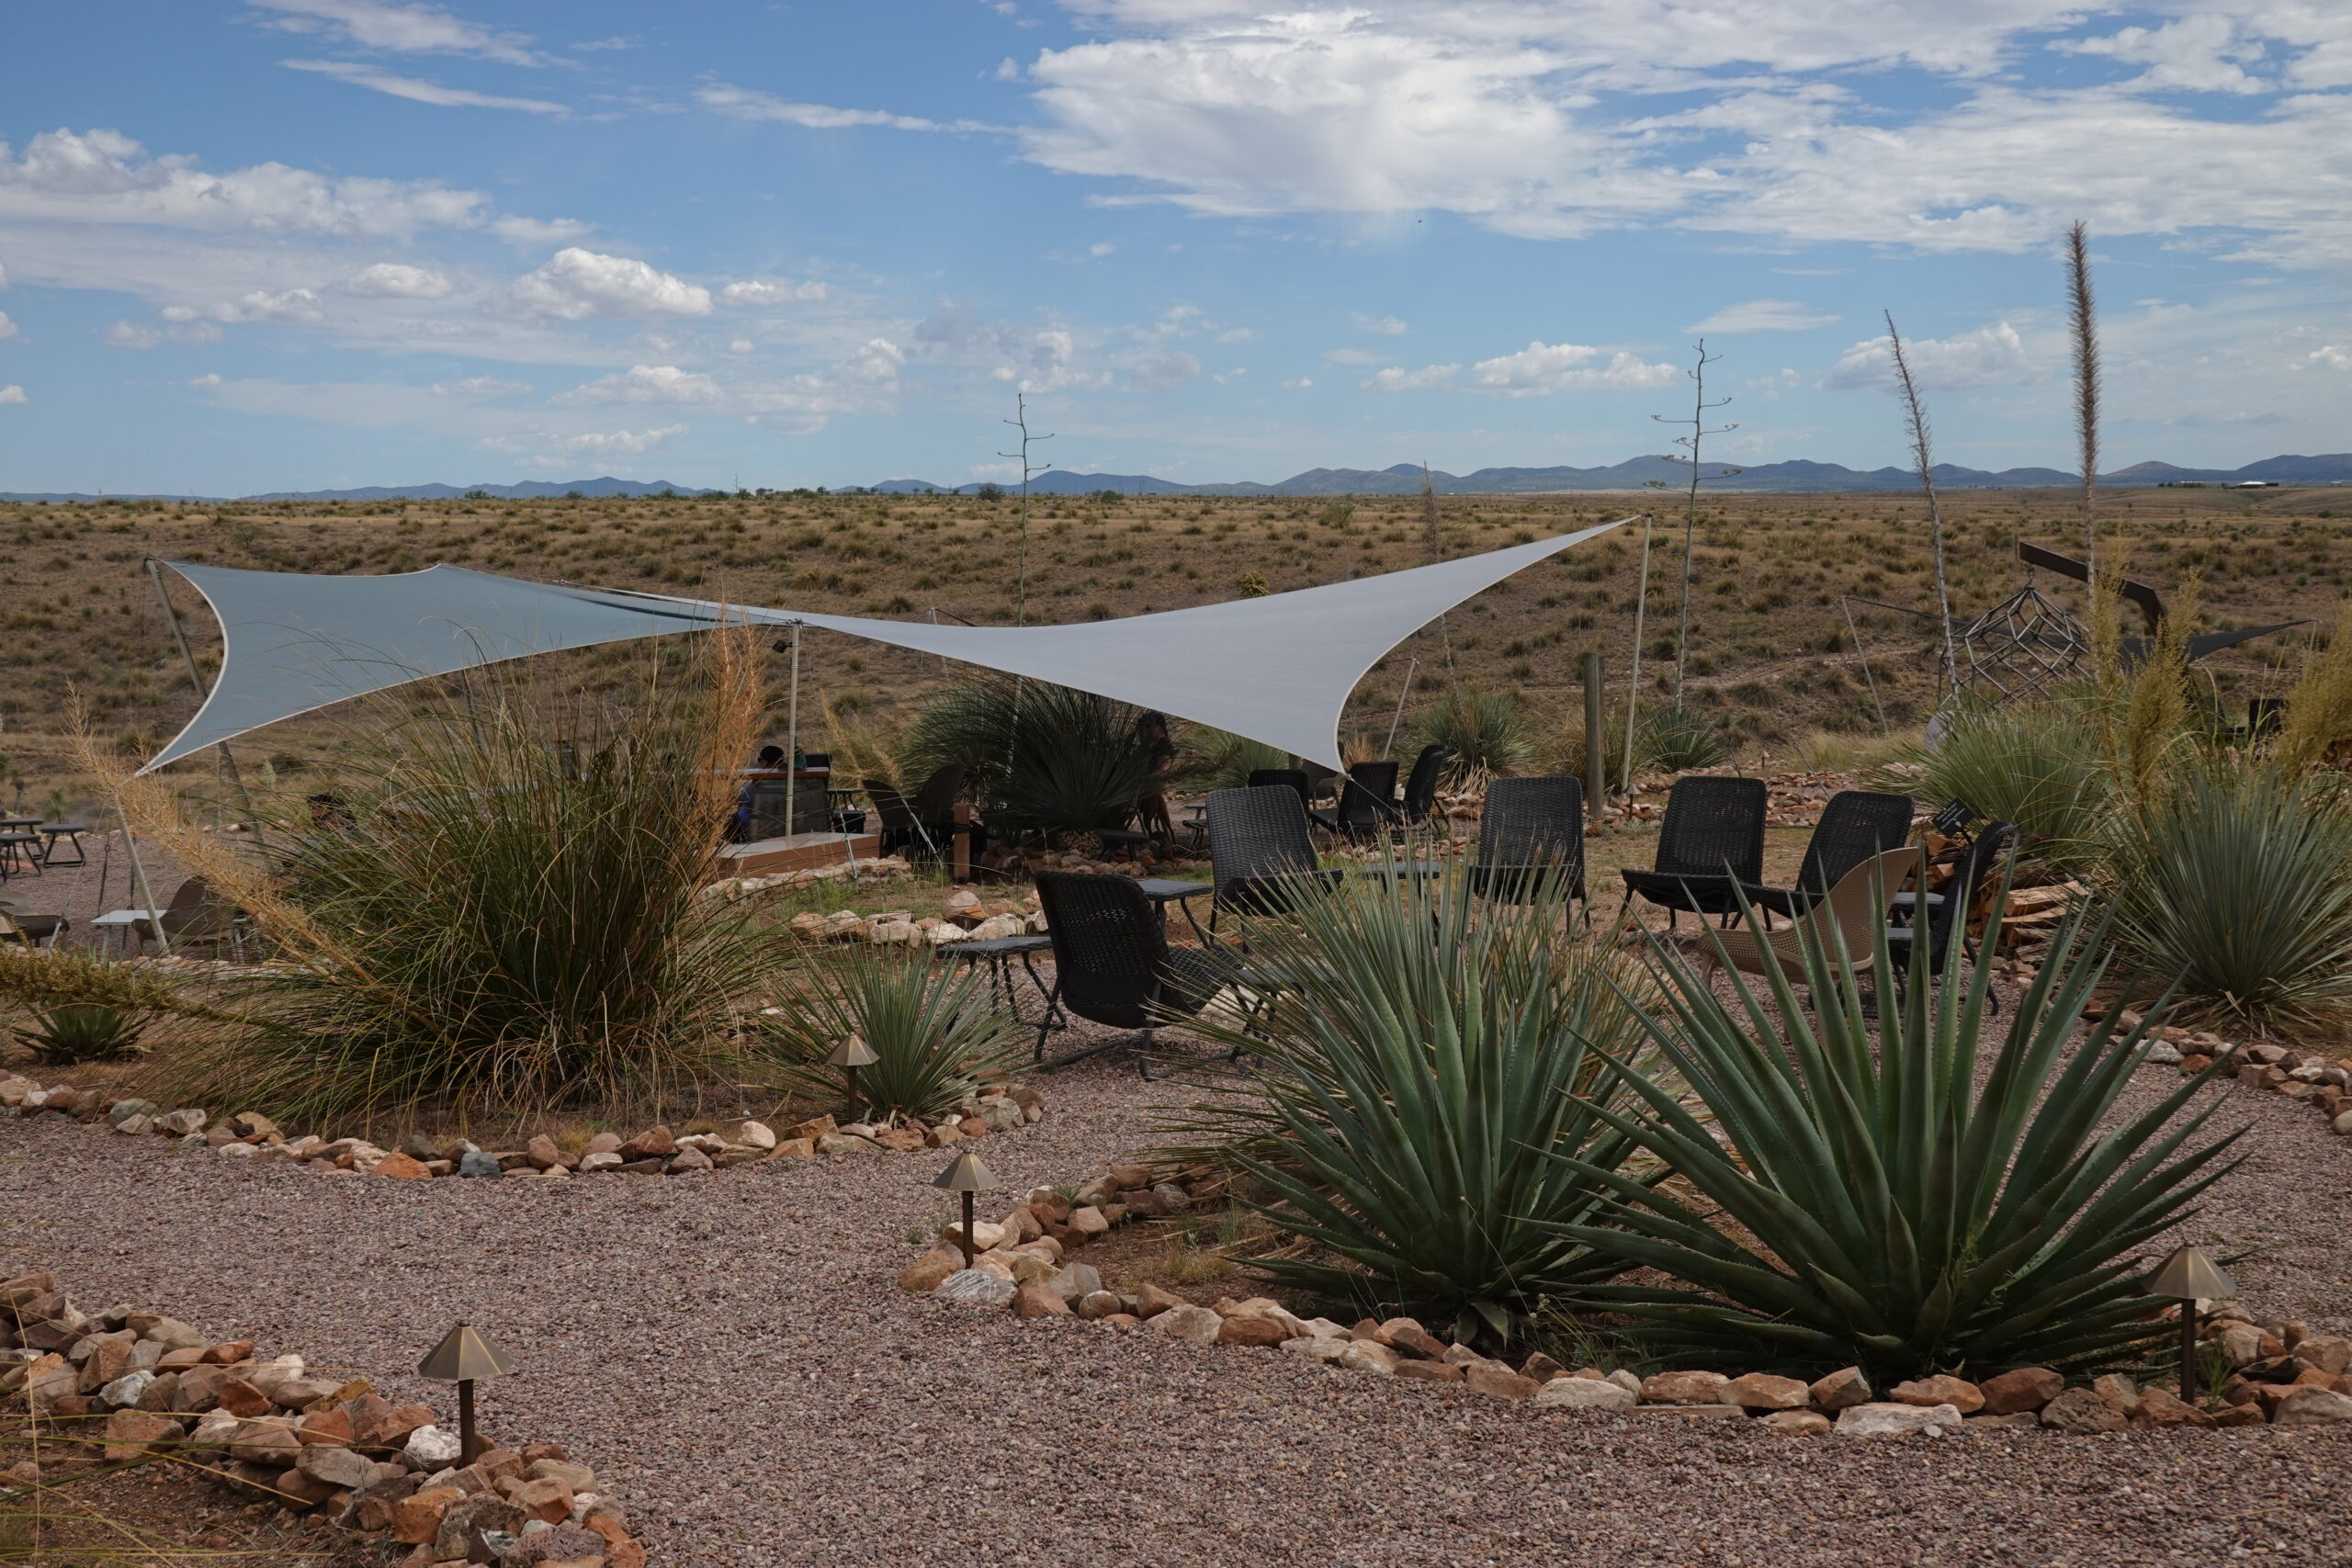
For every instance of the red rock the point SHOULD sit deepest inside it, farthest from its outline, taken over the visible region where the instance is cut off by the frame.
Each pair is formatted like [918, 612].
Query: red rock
[403, 1167]
[239, 1397]
[545, 1499]
[1762, 1391]
[1407, 1336]
[2158, 1408]
[2240, 1415]
[543, 1153]
[325, 1427]
[230, 1352]
[1264, 1333]
[417, 1519]
[1428, 1372]
[1499, 1381]
[1841, 1389]
[1941, 1389]
[1038, 1301]
[1089, 1223]
[2080, 1411]
[655, 1143]
[391, 1429]
[1542, 1368]
[1684, 1388]
[1151, 1301]
[133, 1433]
[2027, 1388]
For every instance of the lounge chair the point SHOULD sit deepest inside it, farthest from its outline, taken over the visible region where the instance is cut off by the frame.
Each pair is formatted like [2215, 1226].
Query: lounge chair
[34, 933]
[1420, 785]
[1855, 825]
[1261, 858]
[1851, 912]
[1946, 927]
[1712, 837]
[1113, 964]
[1367, 801]
[1531, 840]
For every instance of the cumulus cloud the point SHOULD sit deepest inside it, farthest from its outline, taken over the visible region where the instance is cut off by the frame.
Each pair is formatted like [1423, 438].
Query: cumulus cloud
[1988, 357]
[576, 284]
[1397, 378]
[398, 26]
[104, 176]
[12, 393]
[399, 280]
[645, 384]
[1388, 326]
[1763, 316]
[132, 335]
[418, 91]
[2327, 356]
[7, 327]
[1542, 368]
[479, 386]
[2206, 53]
[544, 448]
[770, 291]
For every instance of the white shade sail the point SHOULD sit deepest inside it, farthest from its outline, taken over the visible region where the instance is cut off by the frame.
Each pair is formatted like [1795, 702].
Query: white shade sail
[1276, 669]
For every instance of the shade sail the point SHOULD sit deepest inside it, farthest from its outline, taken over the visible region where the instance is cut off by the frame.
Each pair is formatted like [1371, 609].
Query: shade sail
[1276, 669]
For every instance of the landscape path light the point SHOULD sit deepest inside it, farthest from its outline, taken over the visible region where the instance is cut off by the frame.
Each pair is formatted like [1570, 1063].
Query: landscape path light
[851, 1055]
[2189, 1276]
[464, 1354]
[966, 1174]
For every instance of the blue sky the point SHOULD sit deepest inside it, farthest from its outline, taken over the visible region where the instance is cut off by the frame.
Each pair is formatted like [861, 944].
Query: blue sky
[296, 243]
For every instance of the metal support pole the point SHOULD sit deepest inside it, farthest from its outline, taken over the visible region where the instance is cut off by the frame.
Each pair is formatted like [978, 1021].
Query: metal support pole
[1596, 758]
[139, 871]
[1868, 679]
[1634, 684]
[792, 743]
[1399, 716]
[968, 1230]
[228, 758]
[467, 1450]
[2188, 1351]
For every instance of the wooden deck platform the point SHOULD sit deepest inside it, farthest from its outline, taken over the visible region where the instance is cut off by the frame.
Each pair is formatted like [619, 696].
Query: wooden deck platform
[800, 852]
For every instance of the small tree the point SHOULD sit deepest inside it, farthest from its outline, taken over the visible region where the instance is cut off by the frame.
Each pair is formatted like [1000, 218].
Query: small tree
[1700, 430]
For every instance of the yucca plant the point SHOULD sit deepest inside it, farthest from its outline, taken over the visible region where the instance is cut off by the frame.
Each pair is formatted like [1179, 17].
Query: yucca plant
[1881, 1202]
[1680, 740]
[931, 1025]
[2232, 882]
[2038, 766]
[1422, 1056]
[1215, 760]
[1489, 733]
[84, 1032]
[1043, 757]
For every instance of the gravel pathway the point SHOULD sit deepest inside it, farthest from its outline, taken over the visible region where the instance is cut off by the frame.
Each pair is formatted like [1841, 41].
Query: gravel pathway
[731, 1354]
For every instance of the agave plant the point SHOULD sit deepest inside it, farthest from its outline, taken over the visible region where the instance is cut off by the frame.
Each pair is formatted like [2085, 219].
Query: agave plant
[2233, 883]
[84, 1032]
[1886, 1207]
[1680, 740]
[1488, 733]
[1422, 1056]
[930, 1025]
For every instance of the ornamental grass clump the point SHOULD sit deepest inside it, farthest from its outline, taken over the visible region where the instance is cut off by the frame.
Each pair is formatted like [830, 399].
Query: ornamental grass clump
[2037, 766]
[931, 1025]
[1868, 1200]
[1489, 733]
[2232, 883]
[1422, 1053]
[492, 906]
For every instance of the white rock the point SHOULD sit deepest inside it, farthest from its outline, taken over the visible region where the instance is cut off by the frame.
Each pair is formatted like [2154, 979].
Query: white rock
[591, 1163]
[1627, 1382]
[997, 925]
[124, 1392]
[756, 1135]
[1368, 1356]
[976, 1287]
[2164, 1054]
[239, 1151]
[1897, 1420]
[430, 1449]
[1324, 1328]
[1586, 1394]
[1197, 1323]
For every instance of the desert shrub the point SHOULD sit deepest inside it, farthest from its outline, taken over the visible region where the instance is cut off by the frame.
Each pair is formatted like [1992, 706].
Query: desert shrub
[1680, 740]
[1560, 749]
[2037, 765]
[1489, 733]
[84, 1032]
[2319, 710]
[1041, 756]
[1422, 1057]
[38, 981]
[931, 1024]
[2232, 882]
[1882, 1202]
[500, 911]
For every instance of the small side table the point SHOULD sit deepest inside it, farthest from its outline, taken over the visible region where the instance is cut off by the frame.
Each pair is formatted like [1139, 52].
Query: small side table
[131, 923]
[998, 952]
[52, 831]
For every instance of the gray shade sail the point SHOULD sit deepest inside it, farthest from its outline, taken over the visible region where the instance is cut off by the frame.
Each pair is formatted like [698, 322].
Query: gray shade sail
[1276, 669]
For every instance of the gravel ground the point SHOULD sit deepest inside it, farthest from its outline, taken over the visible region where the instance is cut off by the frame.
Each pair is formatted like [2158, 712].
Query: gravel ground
[731, 1352]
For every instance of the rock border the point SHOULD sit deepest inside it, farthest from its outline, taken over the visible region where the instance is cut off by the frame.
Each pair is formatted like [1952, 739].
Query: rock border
[248, 1136]
[140, 1386]
[2282, 1374]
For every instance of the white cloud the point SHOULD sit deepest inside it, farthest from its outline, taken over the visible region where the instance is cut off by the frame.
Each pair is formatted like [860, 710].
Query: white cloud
[1236, 334]
[549, 449]
[1397, 378]
[1300, 384]
[399, 280]
[259, 304]
[130, 334]
[479, 386]
[576, 284]
[2204, 53]
[4, 278]
[1353, 356]
[1542, 368]
[7, 327]
[769, 291]
[1763, 316]
[1162, 374]
[210, 379]
[103, 176]
[1388, 326]
[1988, 357]
[2327, 356]
[1101, 248]
[645, 384]
[419, 91]
[536, 232]
[749, 103]
[12, 393]
[406, 29]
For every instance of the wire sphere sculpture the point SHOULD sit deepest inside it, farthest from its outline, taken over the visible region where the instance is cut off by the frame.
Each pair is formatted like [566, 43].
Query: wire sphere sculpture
[2023, 645]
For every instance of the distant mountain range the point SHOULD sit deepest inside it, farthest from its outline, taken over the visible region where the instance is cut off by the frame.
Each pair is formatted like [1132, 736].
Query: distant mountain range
[1798, 476]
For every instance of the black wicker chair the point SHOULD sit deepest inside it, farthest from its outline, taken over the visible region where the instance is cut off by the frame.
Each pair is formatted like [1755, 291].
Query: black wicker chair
[925, 820]
[1855, 825]
[1113, 964]
[1261, 858]
[1420, 785]
[1946, 926]
[1289, 778]
[1531, 840]
[1367, 800]
[1711, 839]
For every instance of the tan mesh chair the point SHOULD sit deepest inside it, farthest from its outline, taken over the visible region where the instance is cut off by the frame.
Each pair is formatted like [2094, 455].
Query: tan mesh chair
[1854, 909]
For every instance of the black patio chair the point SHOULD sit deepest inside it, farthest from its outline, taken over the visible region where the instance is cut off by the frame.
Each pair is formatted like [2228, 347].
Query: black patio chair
[1531, 840]
[1367, 801]
[1112, 965]
[926, 818]
[1711, 839]
[1855, 825]
[1946, 926]
[1420, 785]
[1289, 778]
[1261, 858]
